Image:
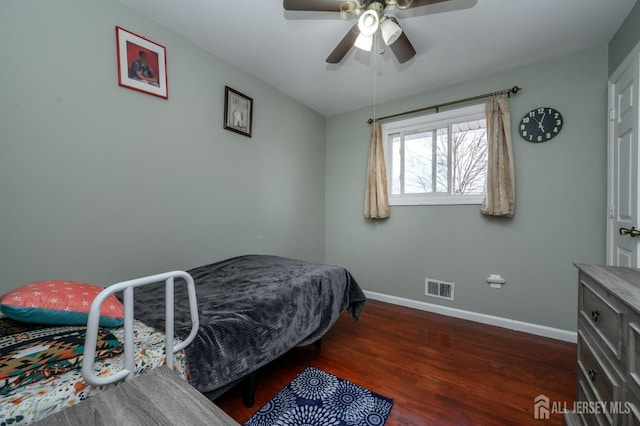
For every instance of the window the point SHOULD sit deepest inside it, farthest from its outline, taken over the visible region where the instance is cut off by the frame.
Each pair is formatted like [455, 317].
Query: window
[437, 159]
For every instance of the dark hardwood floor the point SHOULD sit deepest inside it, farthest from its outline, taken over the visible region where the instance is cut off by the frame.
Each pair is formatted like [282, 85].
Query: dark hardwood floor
[439, 370]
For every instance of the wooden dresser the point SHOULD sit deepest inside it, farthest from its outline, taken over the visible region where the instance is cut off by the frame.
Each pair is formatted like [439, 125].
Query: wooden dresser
[608, 346]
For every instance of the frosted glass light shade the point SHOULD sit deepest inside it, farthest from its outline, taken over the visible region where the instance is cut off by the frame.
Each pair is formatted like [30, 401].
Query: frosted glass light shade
[364, 42]
[390, 31]
[368, 23]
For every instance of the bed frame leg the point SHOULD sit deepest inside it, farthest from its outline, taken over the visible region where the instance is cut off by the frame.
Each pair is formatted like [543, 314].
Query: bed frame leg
[249, 391]
[318, 344]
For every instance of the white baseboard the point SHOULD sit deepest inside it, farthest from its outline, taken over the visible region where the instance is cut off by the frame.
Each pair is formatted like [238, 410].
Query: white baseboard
[526, 327]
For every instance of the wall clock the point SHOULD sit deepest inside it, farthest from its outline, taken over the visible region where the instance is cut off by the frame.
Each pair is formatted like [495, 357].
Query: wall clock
[540, 125]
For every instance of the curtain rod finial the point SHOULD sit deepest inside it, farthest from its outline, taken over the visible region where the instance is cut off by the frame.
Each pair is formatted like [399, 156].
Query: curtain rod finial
[370, 120]
[515, 89]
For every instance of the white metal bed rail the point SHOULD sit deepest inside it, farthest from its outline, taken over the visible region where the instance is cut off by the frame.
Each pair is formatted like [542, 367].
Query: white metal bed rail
[127, 287]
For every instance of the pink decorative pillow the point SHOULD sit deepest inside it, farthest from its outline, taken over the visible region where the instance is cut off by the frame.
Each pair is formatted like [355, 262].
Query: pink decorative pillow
[59, 303]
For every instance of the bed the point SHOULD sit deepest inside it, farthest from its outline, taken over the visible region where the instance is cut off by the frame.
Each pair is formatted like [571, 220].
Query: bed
[34, 401]
[54, 376]
[252, 310]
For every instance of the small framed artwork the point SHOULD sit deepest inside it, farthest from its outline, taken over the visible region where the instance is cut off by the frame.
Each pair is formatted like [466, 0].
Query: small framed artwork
[238, 112]
[142, 64]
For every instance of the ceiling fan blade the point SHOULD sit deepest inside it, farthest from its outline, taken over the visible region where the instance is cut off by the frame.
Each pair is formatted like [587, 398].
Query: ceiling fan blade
[402, 47]
[314, 5]
[406, 4]
[344, 46]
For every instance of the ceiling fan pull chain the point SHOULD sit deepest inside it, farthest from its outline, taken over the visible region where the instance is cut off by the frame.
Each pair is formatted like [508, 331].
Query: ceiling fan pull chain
[375, 56]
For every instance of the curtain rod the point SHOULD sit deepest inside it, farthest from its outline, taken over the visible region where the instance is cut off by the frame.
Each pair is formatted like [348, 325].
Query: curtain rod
[514, 90]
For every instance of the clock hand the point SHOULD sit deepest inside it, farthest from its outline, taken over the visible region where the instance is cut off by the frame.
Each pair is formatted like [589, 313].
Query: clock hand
[540, 122]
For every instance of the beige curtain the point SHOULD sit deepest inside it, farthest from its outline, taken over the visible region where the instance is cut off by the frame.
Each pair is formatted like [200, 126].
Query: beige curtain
[376, 203]
[501, 184]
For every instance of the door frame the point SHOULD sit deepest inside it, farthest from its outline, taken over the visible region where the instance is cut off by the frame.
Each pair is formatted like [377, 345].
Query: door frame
[633, 55]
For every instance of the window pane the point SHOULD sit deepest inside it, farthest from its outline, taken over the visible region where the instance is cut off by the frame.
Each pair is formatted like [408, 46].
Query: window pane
[442, 161]
[438, 158]
[469, 157]
[418, 163]
[395, 164]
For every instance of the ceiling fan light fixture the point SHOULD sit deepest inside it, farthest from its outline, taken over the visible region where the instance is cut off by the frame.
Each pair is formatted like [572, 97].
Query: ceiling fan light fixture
[347, 8]
[404, 4]
[368, 22]
[364, 42]
[390, 31]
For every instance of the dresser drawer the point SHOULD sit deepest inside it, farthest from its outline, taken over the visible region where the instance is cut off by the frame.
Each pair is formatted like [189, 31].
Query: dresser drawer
[633, 416]
[588, 418]
[632, 410]
[603, 315]
[598, 376]
[633, 354]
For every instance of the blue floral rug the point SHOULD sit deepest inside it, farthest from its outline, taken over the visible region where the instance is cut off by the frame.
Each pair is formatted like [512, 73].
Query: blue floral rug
[317, 398]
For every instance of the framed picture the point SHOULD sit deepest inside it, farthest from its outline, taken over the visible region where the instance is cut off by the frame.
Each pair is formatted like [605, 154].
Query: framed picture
[238, 112]
[142, 64]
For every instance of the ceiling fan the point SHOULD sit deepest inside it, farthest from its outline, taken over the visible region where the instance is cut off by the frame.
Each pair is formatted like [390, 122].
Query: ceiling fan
[374, 15]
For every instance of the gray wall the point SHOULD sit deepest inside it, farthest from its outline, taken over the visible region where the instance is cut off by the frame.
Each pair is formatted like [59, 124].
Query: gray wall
[560, 213]
[625, 39]
[101, 183]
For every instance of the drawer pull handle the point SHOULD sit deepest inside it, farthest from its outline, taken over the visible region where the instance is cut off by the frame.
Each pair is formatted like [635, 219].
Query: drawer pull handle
[595, 315]
[592, 375]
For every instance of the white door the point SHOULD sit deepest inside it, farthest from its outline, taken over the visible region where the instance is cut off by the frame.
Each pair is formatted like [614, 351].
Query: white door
[623, 233]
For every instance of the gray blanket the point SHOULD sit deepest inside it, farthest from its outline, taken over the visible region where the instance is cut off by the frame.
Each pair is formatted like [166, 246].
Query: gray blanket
[252, 310]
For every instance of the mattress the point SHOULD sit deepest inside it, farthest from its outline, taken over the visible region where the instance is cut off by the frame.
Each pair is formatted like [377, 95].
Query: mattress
[252, 310]
[36, 401]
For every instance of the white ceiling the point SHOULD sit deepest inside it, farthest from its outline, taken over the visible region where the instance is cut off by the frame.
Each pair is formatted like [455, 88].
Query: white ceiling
[455, 41]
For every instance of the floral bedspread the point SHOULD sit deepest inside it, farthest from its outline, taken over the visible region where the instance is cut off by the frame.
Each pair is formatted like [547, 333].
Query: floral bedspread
[35, 401]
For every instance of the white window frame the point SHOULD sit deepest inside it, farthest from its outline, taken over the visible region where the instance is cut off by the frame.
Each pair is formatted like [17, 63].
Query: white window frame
[428, 123]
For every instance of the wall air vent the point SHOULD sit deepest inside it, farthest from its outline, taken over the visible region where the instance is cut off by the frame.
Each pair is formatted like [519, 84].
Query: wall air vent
[439, 289]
